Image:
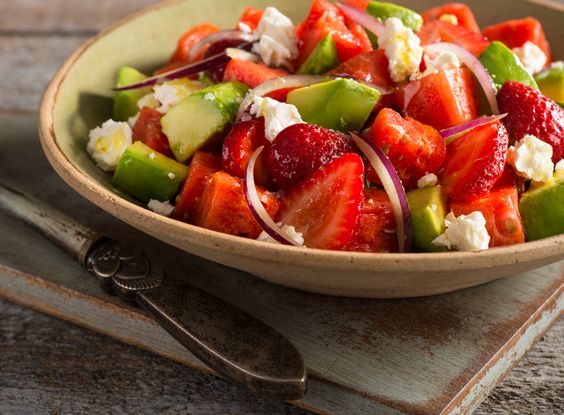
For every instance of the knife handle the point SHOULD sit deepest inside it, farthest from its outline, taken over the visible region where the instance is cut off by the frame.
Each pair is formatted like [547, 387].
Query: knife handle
[71, 236]
[232, 342]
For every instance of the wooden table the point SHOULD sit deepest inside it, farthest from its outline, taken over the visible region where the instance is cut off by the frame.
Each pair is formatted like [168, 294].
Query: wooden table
[50, 366]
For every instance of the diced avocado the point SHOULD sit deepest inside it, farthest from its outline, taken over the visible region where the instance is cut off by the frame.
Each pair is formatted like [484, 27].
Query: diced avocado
[383, 11]
[340, 104]
[503, 65]
[202, 117]
[125, 102]
[323, 58]
[146, 174]
[427, 208]
[542, 208]
[551, 82]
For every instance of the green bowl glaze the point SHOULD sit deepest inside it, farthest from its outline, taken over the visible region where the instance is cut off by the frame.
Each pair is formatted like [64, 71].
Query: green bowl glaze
[79, 98]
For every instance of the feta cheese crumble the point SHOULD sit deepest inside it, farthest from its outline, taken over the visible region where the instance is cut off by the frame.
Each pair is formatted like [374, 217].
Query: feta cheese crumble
[107, 143]
[442, 60]
[162, 208]
[277, 115]
[171, 175]
[429, 180]
[531, 56]
[449, 18]
[559, 166]
[278, 44]
[402, 48]
[288, 230]
[532, 158]
[465, 233]
[170, 93]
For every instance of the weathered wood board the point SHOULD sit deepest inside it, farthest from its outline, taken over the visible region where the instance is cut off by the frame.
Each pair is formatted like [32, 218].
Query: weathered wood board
[421, 356]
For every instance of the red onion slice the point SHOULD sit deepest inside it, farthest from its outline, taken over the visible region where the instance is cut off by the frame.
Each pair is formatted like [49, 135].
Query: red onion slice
[473, 64]
[392, 184]
[218, 37]
[452, 133]
[214, 61]
[364, 19]
[275, 84]
[257, 209]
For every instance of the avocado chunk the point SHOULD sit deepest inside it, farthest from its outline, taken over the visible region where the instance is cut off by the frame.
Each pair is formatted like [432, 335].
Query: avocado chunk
[125, 102]
[427, 208]
[202, 117]
[503, 65]
[542, 208]
[323, 58]
[146, 174]
[340, 104]
[551, 82]
[383, 11]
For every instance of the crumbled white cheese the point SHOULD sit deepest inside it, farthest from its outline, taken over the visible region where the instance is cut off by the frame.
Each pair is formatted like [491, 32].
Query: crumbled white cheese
[162, 208]
[429, 180]
[403, 49]
[532, 158]
[244, 27]
[559, 166]
[277, 115]
[107, 143]
[449, 18]
[278, 44]
[170, 93]
[148, 100]
[531, 56]
[288, 230]
[465, 233]
[171, 175]
[442, 60]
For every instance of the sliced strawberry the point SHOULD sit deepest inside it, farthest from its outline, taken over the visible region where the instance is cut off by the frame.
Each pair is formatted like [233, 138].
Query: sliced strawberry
[444, 99]
[239, 146]
[250, 19]
[301, 149]
[413, 148]
[437, 31]
[325, 207]
[201, 166]
[515, 33]
[148, 130]
[475, 162]
[376, 229]
[250, 73]
[501, 209]
[223, 207]
[530, 112]
[370, 67]
[462, 12]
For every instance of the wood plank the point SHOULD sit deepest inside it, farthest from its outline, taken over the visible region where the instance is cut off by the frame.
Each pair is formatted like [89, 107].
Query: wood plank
[409, 356]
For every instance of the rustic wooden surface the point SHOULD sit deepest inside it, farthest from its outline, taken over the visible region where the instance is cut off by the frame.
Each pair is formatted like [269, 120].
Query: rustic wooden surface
[49, 366]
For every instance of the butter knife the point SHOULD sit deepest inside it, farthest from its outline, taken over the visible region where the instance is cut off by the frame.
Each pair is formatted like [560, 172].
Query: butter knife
[227, 339]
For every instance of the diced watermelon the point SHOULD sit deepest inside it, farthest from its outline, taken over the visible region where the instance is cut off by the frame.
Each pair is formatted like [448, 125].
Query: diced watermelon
[442, 100]
[462, 12]
[359, 4]
[501, 209]
[370, 67]
[376, 229]
[223, 206]
[250, 73]
[201, 166]
[439, 31]
[515, 33]
[148, 130]
[250, 19]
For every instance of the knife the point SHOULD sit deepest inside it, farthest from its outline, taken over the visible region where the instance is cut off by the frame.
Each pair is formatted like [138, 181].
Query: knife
[227, 339]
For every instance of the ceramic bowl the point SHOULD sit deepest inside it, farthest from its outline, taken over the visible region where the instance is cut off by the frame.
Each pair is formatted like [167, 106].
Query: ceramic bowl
[79, 98]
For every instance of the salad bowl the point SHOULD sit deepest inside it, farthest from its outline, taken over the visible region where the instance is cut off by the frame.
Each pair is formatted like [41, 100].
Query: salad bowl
[79, 98]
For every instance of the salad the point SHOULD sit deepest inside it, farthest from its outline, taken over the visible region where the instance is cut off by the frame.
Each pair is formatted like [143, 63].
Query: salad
[366, 127]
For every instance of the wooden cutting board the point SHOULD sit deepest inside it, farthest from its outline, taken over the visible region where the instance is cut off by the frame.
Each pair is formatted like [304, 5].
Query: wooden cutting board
[419, 356]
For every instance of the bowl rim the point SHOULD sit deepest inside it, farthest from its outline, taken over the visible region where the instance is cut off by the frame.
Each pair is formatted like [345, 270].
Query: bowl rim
[122, 208]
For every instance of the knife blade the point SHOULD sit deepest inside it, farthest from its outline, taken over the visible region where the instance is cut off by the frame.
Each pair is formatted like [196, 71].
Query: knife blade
[232, 342]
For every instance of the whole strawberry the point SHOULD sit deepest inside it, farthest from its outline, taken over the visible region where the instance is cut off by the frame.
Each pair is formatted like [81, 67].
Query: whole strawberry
[530, 112]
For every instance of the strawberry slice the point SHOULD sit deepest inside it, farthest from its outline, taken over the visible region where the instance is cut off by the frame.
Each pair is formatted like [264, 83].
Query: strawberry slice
[301, 149]
[439, 31]
[475, 162]
[462, 12]
[413, 148]
[148, 130]
[239, 146]
[325, 207]
[530, 112]
[370, 66]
